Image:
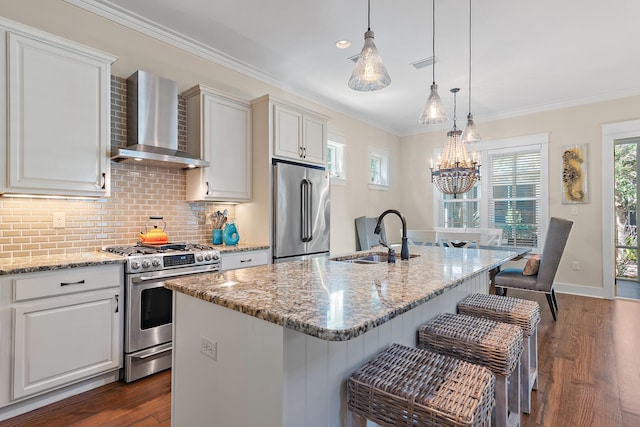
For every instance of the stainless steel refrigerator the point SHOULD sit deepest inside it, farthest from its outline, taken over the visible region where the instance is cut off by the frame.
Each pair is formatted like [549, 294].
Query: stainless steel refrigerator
[301, 210]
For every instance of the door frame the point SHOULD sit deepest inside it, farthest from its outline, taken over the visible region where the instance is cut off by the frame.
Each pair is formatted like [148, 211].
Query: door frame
[610, 133]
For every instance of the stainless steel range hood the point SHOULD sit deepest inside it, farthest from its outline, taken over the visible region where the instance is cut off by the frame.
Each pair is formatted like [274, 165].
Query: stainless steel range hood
[152, 124]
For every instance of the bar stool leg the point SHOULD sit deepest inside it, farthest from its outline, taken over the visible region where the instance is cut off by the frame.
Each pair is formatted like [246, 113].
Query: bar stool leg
[501, 410]
[358, 420]
[534, 358]
[525, 377]
[514, 397]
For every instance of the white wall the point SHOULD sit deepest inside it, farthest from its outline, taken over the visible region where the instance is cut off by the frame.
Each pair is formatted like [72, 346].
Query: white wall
[138, 51]
[576, 125]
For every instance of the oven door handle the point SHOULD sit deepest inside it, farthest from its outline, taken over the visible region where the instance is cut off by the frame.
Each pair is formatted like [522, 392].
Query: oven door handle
[164, 276]
[153, 352]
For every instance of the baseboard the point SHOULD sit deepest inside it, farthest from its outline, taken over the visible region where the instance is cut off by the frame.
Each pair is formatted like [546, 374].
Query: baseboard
[585, 291]
[36, 402]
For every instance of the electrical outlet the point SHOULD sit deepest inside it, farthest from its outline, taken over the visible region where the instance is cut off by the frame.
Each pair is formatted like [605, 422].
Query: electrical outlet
[575, 266]
[59, 220]
[574, 210]
[209, 348]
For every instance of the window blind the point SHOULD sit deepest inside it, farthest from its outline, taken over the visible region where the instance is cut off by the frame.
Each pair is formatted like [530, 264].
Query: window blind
[514, 195]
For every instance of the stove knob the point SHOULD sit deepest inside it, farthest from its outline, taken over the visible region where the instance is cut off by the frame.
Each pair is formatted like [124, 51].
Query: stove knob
[199, 258]
[146, 264]
[207, 257]
[135, 265]
[156, 263]
[216, 257]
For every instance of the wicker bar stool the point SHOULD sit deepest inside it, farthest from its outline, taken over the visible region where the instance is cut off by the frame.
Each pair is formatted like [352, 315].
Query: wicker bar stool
[516, 311]
[494, 345]
[410, 386]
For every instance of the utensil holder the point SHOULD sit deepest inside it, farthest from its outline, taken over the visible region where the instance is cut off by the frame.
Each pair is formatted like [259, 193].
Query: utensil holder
[216, 236]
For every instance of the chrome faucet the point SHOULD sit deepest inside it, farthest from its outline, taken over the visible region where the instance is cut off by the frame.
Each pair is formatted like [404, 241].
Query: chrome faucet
[404, 252]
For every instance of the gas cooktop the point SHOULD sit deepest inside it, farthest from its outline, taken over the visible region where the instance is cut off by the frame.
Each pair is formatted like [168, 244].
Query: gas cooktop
[148, 249]
[146, 258]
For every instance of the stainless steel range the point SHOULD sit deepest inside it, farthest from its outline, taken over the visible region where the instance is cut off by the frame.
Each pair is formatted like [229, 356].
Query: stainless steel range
[148, 304]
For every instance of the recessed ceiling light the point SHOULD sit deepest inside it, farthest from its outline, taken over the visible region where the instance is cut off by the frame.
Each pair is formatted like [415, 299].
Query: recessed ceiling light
[343, 44]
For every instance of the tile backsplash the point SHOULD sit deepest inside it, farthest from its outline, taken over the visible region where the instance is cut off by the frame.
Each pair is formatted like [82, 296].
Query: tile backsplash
[137, 192]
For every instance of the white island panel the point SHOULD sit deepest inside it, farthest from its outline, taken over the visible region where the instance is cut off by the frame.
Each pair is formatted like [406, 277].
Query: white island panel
[269, 375]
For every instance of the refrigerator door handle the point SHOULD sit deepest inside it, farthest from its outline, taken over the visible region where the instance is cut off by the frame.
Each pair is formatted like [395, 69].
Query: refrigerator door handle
[309, 211]
[303, 210]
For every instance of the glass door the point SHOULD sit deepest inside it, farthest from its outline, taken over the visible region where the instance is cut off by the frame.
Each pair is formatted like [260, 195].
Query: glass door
[625, 197]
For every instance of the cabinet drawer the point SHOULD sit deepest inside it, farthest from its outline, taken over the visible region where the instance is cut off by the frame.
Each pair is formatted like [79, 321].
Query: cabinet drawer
[243, 260]
[62, 282]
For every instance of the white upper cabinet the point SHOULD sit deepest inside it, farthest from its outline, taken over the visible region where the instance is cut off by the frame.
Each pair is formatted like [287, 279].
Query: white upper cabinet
[314, 136]
[219, 126]
[55, 128]
[299, 135]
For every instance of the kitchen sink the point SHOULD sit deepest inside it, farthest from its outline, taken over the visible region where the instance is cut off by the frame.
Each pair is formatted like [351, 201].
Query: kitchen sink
[372, 258]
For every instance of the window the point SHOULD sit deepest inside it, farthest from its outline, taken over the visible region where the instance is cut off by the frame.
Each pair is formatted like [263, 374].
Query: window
[336, 158]
[378, 169]
[511, 195]
[462, 211]
[514, 195]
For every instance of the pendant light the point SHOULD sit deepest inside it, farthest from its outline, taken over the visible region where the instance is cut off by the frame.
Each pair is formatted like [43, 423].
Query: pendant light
[470, 134]
[369, 73]
[433, 111]
[455, 173]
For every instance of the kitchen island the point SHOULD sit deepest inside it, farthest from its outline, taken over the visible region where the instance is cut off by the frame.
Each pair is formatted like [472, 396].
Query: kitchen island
[274, 345]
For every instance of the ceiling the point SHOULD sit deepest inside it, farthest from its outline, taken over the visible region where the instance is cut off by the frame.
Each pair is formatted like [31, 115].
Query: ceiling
[526, 56]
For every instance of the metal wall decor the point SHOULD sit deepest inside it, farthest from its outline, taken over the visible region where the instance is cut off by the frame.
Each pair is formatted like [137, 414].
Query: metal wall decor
[574, 174]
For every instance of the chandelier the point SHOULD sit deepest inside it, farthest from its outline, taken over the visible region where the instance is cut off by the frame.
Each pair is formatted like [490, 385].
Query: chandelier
[455, 172]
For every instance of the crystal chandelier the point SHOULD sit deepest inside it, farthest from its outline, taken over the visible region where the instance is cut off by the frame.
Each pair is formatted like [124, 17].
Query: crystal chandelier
[455, 173]
[369, 73]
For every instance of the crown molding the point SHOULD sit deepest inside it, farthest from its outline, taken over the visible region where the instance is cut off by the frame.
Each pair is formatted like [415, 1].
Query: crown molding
[115, 13]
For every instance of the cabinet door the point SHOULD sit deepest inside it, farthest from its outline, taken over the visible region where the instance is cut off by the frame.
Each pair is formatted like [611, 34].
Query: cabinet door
[65, 339]
[315, 140]
[227, 142]
[58, 127]
[287, 133]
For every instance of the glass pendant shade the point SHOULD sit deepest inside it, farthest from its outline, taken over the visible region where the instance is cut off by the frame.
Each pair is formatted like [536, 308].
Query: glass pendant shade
[369, 73]
[433, 111]
[470, 134]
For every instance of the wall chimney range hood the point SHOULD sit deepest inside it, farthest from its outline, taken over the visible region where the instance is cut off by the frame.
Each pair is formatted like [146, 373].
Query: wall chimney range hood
[152, 124]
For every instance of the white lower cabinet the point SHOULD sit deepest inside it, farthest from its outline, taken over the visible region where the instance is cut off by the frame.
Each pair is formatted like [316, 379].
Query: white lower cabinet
[58, 328]
[60, 340]
[235, 260]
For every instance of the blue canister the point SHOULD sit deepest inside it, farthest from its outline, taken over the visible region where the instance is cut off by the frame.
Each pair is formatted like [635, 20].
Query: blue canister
[230, 234]
[216, 236]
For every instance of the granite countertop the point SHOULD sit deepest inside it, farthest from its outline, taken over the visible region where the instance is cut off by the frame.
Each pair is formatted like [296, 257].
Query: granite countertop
[240, 247]
[335, 300]
[57, 262]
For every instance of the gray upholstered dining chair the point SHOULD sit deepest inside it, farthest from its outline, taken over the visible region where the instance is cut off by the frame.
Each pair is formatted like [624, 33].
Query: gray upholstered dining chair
[542, 281]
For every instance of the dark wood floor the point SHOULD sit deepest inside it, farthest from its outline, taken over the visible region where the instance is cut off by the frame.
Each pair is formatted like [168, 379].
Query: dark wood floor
[589, 376]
